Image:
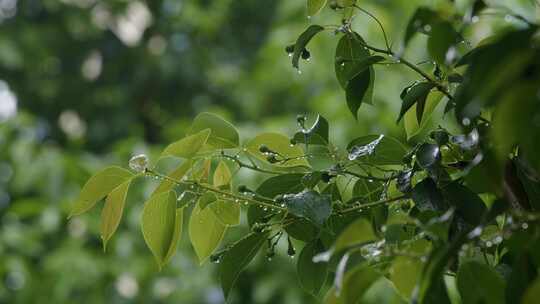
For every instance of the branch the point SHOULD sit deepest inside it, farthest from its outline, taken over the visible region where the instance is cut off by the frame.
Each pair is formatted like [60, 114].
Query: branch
[372, 204]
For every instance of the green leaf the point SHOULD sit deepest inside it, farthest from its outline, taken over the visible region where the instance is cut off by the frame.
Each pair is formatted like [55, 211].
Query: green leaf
[302, 229]
[316, 135]
[222, 176]
[227, 212]
[206, 199]
[421, 18]
[427, 196]
[223, 134]
[356, 283]
[289, 156]
[428, 155]
[177, 174]
[159, 225]
[205, 232]
[468, 204]
[413, 125]
[377, 150]
[354, 71]
[345, 3]
[442, 37]
[309, 204]
[314, 7]
[415, 94]
[270, 188]
[98, 186]
[112, 211]
[515, 122]
[532, 294]
[478, 283]
[303, 41]
[237, 257]
[358, 232]
[311, 275]
[405, 273]
[358, 89]
[188, 146]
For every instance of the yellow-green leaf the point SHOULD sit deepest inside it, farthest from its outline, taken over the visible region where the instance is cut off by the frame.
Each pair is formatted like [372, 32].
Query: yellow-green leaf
[205, 232]
[159, 225]
[179, 221]
[314, 7]
[222, 175]
[112, 211]
[98, 186]
[412, 127]
[176, 174]
[227, 212]
[224, 135]
[405, 273]
[360, 231]
[289, 156]
[188, 146]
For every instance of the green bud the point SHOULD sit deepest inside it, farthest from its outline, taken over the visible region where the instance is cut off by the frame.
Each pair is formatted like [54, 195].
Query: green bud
[264, 149]
[306, 54]
[289, 48]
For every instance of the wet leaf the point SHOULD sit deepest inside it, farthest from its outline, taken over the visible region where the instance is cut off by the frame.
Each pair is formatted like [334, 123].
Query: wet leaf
[309, 204]
[237, 258]
[303, 41]
[223, 134]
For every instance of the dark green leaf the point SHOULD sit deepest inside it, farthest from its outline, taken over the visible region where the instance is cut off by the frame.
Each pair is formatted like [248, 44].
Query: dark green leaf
[358, 88]
[237, 258]
[415, 94]
[303, 41]
[377, 150]
[427, 196]
[421, 18]
[479, 283]
[428, 155]
[302, 230]
[468, 204]
[311, 275]
[442, 37]
[310, 205]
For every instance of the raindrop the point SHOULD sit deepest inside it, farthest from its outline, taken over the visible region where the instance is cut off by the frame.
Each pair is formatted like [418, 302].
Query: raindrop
[265, 209]
[524, 226]
[139, 163]
[358, 151]
[308, 60]
[246, 203]
[370, 180]
[427, 28]
[466, 121]
[489, 244]
[236, 200]
[290, 54]
[299, 71]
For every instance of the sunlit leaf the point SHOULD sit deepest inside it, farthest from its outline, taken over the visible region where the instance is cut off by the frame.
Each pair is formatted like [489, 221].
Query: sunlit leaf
[223, 134]
[205, 232]
[358, 232]
[176, 174]
[112, 211]
[288, 156]
[98, 186]
[159, 225]
[314, 7]
[188, 146]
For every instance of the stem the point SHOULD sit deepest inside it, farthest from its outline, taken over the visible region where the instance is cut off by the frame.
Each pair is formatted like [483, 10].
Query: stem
[384, 179]
[373, 204]
[410, 65]
[378, 22]
[224, 193]
[248, 166]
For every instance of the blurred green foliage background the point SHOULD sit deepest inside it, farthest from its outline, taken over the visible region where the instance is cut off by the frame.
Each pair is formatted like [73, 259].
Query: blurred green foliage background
[84, 83]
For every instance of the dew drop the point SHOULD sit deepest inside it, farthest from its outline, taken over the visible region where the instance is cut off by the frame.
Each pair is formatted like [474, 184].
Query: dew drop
[290, 54]
[265, 209]
[299, 71]
[524, 226]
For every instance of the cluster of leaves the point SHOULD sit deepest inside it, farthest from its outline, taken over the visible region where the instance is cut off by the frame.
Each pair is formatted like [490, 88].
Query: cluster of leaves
[451, 210]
